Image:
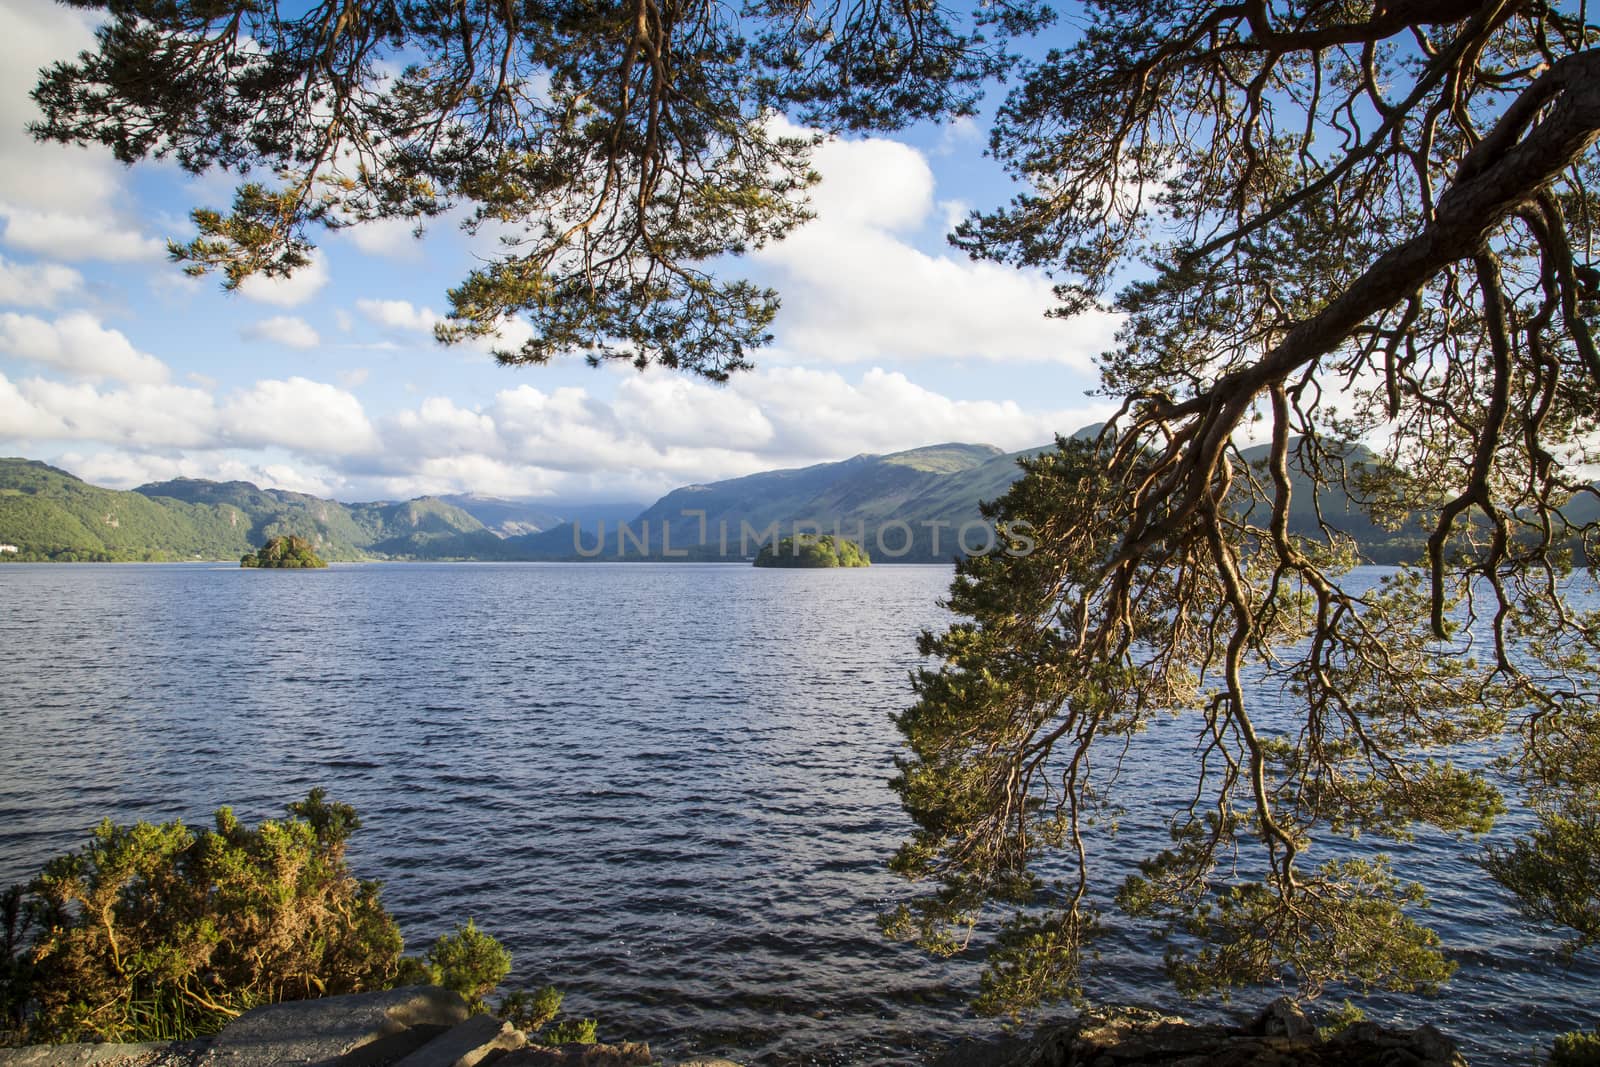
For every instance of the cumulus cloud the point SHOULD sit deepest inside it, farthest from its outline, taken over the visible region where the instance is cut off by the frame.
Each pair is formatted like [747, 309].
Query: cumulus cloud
[140, 416]
[385, 238]
[299, 414]
[77, 344]
[45, 177]
[124, 470]
[36, 284]
[70, 236]
[817, 411]
[398, 315]
[657, 431]
[288, 292]
[286, 330]
[856, 290]
[664, 430]
[684, 412]
[403, 317]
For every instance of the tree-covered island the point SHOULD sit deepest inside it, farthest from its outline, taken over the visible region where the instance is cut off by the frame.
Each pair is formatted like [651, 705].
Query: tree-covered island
[285, 552]
[813, 550]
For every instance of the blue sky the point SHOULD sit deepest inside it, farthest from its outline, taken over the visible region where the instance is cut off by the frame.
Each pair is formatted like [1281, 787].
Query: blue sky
[118, 368]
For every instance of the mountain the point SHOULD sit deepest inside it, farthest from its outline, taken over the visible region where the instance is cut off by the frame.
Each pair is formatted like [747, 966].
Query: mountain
[516, 518]
[916, 506]
[906, 507]
[50, 514]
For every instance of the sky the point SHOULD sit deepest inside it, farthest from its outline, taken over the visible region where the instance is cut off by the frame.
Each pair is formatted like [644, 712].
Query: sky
[118, 368]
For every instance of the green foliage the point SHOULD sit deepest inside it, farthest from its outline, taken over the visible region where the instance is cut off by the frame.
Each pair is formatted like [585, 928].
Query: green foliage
[470, 962]
[1576, 1048]
[1340, 1019]
[530, 1011]
[647, 153]
[537, 1014]
[283, 552]
[570, 1032]
[1555, 874]
[1019, 728]
[155, 931]
[813, 550]
[1304, 278]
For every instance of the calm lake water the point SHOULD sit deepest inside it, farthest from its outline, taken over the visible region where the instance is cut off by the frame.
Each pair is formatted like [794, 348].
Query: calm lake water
[664, 787]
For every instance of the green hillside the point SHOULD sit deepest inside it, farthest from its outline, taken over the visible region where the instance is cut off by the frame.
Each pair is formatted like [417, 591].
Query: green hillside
[905, 507]
[52, 515]
[908, 507]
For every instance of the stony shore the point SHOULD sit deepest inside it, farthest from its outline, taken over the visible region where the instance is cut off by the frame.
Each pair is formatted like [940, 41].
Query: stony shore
[424, 1026]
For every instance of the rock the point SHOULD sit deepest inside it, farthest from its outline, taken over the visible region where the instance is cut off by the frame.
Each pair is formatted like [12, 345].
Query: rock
[1368, 1043]
[627, 1054]
[86, 1055]
[709, 1063]
[467, 1044]
[1281, 1036]
[1283, 1018]
[360, 1030]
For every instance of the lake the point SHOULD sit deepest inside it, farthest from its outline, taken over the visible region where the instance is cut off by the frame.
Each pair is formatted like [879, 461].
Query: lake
[663, 787]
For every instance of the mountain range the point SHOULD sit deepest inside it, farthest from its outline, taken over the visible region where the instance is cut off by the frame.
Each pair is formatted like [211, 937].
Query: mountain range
[919, 505]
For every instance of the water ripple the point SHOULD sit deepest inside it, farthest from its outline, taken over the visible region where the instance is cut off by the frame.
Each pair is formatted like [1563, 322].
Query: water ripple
[665, 788]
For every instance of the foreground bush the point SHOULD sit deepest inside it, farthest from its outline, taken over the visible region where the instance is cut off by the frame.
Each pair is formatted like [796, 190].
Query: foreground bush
[156, 932]
[1577, 1048]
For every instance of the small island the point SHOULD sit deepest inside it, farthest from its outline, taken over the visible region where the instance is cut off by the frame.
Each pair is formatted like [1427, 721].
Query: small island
[288, 552]
[813, 550]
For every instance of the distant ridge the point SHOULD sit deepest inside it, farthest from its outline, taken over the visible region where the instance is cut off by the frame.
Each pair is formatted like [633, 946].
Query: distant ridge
[915, 506]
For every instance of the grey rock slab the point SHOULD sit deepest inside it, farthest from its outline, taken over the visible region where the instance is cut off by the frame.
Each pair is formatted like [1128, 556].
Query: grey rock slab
[467, 1044]
[359, 1030]
[84, 1055]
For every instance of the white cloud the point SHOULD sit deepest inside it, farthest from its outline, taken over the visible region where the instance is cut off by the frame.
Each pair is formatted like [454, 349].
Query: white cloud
[676, 410]
[439, 428]
[127, 470]
[48, 177]
[298, 414]
[386, 238]
[136, 416]
[23, 419]
[79, 345]
[820, 413]
[398, 315]
[288, 292]
[404, 317]
[876, 183]
[962, 134]
[70, 236]
[855, 290]
[663, 430]
[36, 284]
[286, 330]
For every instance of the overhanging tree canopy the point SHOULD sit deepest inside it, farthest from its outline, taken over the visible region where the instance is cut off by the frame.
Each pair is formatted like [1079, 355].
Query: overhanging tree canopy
[1367, 222]
[1350, 221]
[614, 147]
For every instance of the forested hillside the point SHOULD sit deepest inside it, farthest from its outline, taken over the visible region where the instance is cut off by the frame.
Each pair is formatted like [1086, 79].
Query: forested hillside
[49, 514]
[917, 506]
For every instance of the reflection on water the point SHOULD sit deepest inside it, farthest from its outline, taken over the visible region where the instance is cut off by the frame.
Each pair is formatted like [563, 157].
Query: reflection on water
[664, 787]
